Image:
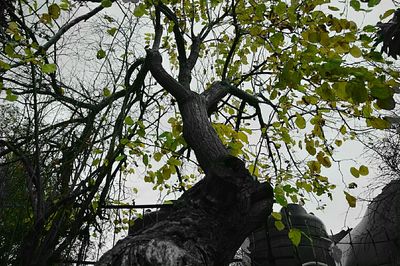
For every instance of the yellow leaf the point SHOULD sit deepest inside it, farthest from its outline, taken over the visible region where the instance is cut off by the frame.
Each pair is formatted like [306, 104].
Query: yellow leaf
[279, 225]
[295, 236]
[351, 200]
[355, 51]
[354, 172]
[276, 215]
[363, 170]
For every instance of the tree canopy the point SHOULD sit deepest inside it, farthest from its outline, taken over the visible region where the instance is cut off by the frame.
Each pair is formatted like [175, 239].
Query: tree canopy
[96, 93]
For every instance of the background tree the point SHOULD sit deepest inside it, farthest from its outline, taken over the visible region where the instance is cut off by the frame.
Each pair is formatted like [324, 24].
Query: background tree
[273, 83]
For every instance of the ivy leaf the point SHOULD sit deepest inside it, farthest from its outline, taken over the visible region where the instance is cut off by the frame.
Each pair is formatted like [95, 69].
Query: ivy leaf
[351, 200]
[295, 236]
[49, 68]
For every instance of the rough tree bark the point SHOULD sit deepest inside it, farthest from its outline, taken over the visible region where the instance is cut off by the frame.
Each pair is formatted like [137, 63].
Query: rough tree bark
[209, 222]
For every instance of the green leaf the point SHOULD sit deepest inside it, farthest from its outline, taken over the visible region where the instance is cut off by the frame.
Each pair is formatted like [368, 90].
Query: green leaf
[358, 92]
[355, 4]
[120, 157]
[372, 3]
[129, 121]
[49, 68]
[45, 18]
[386, 104]
[112, 31]
[106, 92]
[378, 123]
[351, 200]
[140, 10]
[106, 3]
[54, 11]
[387, 14]
[369, 28]
[96, 162]
[280, 196]
[354, 172]
[9, 50]
[363, 170]
[324, 160]
[310, 148]
[300, 121]
[157, 156]
[101, 54]
[10, 96]
[333, 8]
[145, 159]
[4, 65]
[295, 236]
[381, 92]
[64, 5]
[355, 51]
[276, 215]
[343, 130]
[280, 8]
[279, 225]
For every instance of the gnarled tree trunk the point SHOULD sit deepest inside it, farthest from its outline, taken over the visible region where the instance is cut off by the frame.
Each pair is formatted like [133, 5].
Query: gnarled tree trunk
[209, 222]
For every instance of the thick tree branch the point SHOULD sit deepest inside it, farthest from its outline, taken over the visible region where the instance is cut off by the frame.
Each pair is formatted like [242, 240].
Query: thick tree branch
[176, 89]
[220, 89]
